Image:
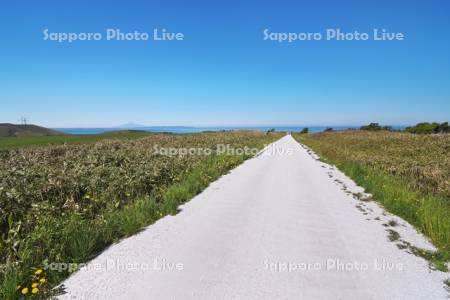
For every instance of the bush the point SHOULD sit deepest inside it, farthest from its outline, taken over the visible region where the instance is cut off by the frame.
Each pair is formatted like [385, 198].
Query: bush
[372, 127]
[429, 128]
[305, 130]
[376, 127]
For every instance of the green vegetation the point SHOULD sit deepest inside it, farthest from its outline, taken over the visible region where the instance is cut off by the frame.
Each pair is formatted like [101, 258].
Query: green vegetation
[375, 127]
[392, 223]
[66, 203]
[429, 128]
[52, 140]
[409, 174]
[393, 235]
[420, 128]
[304, 130]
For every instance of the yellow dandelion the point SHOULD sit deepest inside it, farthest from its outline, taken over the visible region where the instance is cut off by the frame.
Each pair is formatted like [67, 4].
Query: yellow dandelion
[39, 271]
[25, 291]
[43, 280]
[35, 284]
[35, 291]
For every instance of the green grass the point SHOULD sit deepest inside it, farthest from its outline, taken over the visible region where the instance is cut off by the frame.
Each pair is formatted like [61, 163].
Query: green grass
[42, 141]
[428, 213]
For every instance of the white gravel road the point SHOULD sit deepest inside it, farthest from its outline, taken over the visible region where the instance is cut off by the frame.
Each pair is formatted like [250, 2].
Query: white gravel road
[283, 225]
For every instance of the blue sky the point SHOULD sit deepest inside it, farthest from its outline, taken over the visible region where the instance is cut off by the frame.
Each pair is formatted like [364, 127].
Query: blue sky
[223, 72]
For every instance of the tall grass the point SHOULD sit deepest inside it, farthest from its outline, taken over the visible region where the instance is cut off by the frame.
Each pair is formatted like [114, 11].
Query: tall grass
[375, 162]
[429, 214]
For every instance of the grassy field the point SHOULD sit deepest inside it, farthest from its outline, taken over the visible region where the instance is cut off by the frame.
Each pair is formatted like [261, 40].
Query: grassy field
[409, 174]
[66, 203]
[52, 140]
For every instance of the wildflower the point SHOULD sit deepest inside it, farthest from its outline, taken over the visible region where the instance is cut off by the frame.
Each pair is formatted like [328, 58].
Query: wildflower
[25, 291]
[39, 271]
[35, 291]
[43, 280]
[35, 284]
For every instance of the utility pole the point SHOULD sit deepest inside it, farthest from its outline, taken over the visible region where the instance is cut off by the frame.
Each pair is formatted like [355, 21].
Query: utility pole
[23, 120]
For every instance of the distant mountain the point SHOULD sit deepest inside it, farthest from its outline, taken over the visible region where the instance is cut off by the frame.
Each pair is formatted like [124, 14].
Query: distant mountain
[14, 130]
[131, 125]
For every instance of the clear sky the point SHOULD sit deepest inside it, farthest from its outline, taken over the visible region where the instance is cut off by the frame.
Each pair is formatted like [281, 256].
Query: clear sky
[224, 72]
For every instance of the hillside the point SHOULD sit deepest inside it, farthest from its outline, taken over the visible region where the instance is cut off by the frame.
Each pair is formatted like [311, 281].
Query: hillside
[13, 130]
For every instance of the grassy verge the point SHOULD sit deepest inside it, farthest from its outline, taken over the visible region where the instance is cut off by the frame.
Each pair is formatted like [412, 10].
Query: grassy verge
[428, 212]
[75, 234]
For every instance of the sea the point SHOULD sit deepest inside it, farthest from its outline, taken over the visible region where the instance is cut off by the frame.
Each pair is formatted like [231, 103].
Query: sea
[185, 129]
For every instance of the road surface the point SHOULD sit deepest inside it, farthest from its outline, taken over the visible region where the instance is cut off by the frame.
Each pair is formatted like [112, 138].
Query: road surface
[283, 225]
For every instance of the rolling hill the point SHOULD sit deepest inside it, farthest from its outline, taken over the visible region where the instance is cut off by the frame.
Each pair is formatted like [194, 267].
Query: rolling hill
[14, 130]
